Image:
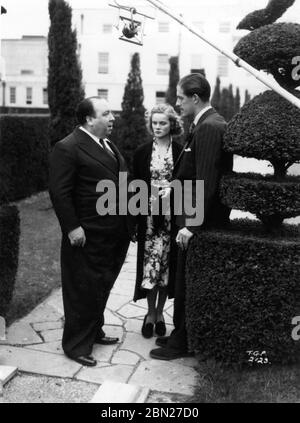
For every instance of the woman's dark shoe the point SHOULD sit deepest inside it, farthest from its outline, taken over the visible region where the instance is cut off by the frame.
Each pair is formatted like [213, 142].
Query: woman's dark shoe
[160, 328]
[147, 328]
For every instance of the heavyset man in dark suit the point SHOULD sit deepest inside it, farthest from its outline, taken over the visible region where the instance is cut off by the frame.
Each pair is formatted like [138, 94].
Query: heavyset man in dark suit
[202, 158]
[93, 246]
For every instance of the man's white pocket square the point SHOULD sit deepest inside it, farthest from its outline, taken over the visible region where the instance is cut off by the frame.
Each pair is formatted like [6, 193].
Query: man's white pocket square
[187, 150]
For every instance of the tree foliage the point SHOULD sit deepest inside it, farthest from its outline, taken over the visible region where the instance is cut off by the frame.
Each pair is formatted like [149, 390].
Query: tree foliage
[64, 76]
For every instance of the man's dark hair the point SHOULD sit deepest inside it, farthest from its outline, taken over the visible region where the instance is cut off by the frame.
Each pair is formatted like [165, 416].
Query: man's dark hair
[195, 83]
[85, 108]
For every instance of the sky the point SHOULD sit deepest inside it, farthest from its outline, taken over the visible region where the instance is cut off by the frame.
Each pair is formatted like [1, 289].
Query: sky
[30, 17]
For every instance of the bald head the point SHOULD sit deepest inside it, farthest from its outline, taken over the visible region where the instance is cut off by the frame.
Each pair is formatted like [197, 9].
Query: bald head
[94, 114]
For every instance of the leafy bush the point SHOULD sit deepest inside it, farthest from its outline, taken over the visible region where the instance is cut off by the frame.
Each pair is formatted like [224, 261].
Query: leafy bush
[267, 128]
[272, 48]
[242, 293]
[262, 195]
[9, 249]
[24, 149]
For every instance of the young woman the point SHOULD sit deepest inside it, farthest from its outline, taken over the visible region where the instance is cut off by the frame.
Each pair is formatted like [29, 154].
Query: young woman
[153, 162]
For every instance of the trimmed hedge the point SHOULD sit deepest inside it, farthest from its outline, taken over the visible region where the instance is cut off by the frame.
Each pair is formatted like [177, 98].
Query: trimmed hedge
[267, 128]
[242, 293]
[272, 48]
[24, 149]
[261, 195]
[9, 249]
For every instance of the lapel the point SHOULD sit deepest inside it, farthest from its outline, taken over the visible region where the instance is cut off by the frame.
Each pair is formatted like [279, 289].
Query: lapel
[90, 147]
[190, 136]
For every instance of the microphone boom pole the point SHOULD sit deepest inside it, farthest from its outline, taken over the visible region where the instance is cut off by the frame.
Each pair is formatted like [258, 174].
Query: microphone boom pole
[233, 57]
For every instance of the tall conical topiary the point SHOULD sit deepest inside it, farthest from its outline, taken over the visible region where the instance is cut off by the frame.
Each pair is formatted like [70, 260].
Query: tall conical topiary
[171, 95]
[237, 101]
[132, 131]
[65, 89]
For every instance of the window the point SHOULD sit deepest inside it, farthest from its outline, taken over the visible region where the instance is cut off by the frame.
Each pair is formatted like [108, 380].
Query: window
[160, 97]
[103, 93]
[45, 96]
[224, 27]
[163, 26]
[107, 28]
[196, 63]
[12, 95]
[27, 72]
[199, 25]
[162, 64]
[81, 23]
[222, 66]
[28, 95]
[103, 63]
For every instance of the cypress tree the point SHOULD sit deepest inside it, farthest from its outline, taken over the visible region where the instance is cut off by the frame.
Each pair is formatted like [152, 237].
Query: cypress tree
[237, 101]
[132, 130]
[247, 97]
[215, 101]
[65, 90]
[171, 96]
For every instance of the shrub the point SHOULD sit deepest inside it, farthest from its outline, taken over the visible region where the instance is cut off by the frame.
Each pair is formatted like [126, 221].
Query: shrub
[242, 293]
[9, 248]
[24, 148]
[262, 195]
[260, 131]
[272, 48]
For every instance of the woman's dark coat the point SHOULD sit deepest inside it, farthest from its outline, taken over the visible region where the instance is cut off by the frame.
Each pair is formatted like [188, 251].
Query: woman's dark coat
[141, 170]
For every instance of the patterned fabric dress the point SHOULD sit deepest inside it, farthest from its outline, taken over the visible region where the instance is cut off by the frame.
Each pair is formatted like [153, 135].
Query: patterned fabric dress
[157, 243]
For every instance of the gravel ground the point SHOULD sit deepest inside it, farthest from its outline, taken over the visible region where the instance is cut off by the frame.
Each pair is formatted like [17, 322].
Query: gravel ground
[41, 389]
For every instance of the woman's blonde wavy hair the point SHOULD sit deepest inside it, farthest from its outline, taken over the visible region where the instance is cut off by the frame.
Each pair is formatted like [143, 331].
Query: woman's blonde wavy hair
[176, 128]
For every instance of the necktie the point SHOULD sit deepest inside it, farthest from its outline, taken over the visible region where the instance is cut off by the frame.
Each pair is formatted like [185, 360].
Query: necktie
[111, 153]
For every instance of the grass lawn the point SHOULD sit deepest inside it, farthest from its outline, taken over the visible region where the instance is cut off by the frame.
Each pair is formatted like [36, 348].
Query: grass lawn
[39, 268]
[270, 384]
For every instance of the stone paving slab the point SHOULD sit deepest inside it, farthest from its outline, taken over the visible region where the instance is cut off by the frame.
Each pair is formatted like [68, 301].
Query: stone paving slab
[141, 346]
[116, 392]
[47, 325]
[21, 333]
[50, 347]
[38, 362]
[111, 319]
[125, 357]
[128, 311]
[42, 313]
[113, 373]
[6, 373]
[52, 335]
[165, 376]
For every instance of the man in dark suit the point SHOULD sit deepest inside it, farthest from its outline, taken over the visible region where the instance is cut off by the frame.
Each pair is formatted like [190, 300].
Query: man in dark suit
[93, 246]
[202, 158]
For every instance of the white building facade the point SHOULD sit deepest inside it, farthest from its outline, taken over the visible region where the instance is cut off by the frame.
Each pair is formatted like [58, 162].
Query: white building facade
[24, 79]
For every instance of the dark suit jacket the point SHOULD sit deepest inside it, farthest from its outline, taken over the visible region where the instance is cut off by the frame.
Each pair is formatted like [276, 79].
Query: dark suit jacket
[203, 158]
[77, 165]
[141, 170]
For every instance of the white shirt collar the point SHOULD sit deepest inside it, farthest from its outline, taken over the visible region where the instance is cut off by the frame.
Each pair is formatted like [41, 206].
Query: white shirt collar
[201, 113]
[90, 134]
[106, 140]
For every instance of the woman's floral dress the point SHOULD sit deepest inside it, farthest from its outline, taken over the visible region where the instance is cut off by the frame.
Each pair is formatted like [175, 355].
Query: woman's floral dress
[157, 243]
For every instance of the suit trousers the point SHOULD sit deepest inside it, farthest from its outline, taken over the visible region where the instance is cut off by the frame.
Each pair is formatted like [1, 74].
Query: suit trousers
[88, 275]
[178, 337]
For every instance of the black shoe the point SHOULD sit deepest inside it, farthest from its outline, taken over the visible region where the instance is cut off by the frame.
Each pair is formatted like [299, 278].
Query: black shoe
[160, 328]
[106, 340]
[85, 360]
[169, 354]
[147, 329]
[162, 341]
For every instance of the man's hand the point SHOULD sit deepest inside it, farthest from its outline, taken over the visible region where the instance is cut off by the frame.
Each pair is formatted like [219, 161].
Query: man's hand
[183, 237]
[77, 237]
